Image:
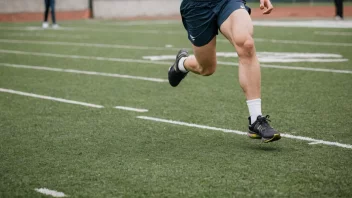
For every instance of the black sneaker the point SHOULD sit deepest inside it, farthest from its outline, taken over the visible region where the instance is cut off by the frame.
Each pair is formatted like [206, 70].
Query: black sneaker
[261, 129]
[175, 75]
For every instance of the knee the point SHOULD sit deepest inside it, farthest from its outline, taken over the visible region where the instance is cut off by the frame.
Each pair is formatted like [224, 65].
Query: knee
[245, 45]
[248, 44]
[208, 71]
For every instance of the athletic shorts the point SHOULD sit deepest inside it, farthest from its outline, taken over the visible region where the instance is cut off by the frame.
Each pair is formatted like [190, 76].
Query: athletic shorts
[202, 19]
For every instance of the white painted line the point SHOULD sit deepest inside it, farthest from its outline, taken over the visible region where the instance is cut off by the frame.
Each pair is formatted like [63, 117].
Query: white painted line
[84, 57]
[293, 68]
[49, 35]
[192, 125]
[297, 42]
[313, 143]
[271, 57]
[241, 132]
[99, 45]
[83, 72]
[167, 47]
[328, 33]
[112, 30]
[167, 63]
[307, 24]
[49, 98]
[131, 109]
[136, 23]
[53, 193]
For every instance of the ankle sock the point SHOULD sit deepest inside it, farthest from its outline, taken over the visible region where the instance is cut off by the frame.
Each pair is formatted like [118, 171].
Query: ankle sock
[181, 65]
[255, 109]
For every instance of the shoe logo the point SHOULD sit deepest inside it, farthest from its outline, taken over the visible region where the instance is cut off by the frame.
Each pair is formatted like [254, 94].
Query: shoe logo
[192, 37]
[242, 6]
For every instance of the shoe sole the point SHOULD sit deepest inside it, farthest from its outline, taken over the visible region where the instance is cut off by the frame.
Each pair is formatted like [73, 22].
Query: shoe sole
[274, 138]
[256, 136]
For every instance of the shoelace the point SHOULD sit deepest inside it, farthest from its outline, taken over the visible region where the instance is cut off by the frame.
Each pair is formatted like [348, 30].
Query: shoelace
[264, 121]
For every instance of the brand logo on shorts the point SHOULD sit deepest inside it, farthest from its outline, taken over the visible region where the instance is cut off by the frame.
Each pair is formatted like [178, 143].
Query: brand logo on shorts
[242, 6]
[192, 37]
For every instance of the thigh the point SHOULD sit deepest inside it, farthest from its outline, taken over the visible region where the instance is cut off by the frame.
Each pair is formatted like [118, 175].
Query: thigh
[200, 21]
[206, 55]
[235, 22]
[238, 27]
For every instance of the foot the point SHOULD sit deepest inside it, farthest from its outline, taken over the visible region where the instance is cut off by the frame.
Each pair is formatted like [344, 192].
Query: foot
[261, 129]
[55, 26]
[45, 25]
[175, 75]
[338, 18]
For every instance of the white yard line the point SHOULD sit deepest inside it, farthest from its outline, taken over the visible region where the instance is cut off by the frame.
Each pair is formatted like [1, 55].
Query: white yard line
[131, 109]
[48, 35]
[271, 57]
[314, 143]
[49, 98]
[134, 23]
[296, 42]
[52, 193]
[100, 45]
[241, 132]
[83, 72]
[84, 57]
[166, 63]
[329, 33]
[293, 68]
[305, 24]
[112, 30]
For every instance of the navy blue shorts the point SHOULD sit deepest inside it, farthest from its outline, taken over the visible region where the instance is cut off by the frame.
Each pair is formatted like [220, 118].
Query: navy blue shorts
[202, 19]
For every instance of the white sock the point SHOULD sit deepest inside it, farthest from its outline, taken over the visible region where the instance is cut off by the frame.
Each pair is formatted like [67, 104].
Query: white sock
[255, 108]
[181, 66]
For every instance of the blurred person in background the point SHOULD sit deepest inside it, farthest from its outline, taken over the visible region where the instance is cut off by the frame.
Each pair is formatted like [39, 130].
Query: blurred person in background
[49, 4]
[339, 10]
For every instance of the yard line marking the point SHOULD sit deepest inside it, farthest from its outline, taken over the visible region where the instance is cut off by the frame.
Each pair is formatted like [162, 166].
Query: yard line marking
[83, 72]
[308, 24]
[297, 42]
[241, 132]
[271, 57]
[33, 28]
[313, 143]
[191, 125]
[135, 23]
[167, 63]
[49, 98]
[328, 33]
[48, 35]
[131, 109]
[86, 44]
[53, 193]
[293, 68]
[84, 57]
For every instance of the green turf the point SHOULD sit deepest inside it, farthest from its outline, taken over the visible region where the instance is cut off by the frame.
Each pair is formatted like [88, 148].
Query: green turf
[89, 152]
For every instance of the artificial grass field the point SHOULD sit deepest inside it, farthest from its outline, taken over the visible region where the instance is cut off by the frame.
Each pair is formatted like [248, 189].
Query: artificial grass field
[106, 152]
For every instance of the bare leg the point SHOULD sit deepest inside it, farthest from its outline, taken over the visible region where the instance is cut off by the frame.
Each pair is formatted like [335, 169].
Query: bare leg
[238, 29]
[204, 60]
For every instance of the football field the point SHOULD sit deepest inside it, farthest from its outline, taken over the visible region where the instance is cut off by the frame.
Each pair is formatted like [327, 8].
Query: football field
[87, 111]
